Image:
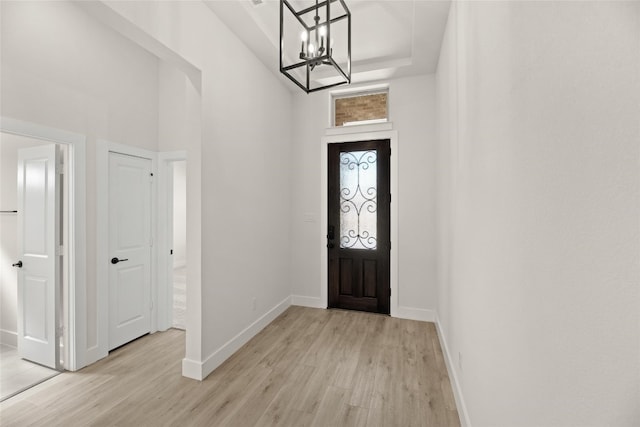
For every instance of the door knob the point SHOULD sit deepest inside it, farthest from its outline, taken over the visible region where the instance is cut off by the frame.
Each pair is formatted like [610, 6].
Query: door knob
[17, 264]
[115, 260]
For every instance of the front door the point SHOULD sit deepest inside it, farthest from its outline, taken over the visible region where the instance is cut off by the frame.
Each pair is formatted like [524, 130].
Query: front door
[38, 240]
[358, 233]
[129, 248]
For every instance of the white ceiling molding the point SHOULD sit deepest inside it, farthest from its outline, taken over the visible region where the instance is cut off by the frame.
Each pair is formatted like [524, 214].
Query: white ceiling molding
[390, 38]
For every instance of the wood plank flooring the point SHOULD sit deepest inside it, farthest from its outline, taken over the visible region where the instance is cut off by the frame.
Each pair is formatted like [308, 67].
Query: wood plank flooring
[309, 367]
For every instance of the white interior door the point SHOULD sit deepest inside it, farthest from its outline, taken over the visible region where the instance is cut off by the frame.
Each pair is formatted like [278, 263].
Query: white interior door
[129, 248]
[38, 237]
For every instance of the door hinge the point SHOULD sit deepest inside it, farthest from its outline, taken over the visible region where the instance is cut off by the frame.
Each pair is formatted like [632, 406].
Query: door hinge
[151, 241]
[389, 291]
[60, 250]
[60, 168]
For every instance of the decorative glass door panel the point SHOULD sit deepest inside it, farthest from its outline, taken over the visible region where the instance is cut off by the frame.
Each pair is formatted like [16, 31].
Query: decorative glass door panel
[358, 199]
[358, 233]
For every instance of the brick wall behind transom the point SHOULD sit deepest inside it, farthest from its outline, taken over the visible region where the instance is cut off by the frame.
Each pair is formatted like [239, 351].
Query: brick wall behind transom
[357, 108]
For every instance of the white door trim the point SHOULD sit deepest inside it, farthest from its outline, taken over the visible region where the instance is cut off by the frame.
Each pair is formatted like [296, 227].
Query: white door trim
[165, 185]
[103, 147]
[76, 331]
[351, 135]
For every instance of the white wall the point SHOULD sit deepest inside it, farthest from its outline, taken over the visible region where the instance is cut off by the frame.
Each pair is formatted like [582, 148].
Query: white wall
[412, 111]
[241, 178]
[539, 141]
[179, 214]
[9, 146]
[61, 68]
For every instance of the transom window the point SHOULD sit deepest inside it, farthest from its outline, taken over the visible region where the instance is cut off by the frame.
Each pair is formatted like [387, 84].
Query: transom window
[360, 108]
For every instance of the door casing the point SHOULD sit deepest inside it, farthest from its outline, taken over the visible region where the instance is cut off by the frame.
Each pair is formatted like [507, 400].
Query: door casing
[75, 316]
[165, 237]
[364, 133]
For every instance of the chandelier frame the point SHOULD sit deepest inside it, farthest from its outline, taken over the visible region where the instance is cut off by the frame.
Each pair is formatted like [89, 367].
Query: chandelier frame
[324, 56]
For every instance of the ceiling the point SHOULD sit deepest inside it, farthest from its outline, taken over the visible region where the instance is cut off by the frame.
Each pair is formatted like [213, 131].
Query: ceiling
[390, 38]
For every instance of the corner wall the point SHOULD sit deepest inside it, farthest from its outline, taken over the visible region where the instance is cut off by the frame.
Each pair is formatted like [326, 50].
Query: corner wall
[539, 200]
[63, 67]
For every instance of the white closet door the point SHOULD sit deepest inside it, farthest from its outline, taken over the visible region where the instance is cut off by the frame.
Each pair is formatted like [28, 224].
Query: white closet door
[38, 282]
[129, 248]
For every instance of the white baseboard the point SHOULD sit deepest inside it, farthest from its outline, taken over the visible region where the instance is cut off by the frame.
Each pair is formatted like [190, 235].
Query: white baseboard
[192, 369]
[453, 377]
[412, 313]
[8, 338]
[93, 354]
[200, 370]
[313, 302]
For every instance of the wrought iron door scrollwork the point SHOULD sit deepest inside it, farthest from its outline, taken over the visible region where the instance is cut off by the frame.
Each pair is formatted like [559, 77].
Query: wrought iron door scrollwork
[358, 199]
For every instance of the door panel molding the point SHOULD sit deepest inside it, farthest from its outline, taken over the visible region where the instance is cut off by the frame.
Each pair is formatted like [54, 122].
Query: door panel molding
[372, 132]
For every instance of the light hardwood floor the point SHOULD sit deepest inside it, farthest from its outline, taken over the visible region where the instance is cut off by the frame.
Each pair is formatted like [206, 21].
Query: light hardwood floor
[309, 367]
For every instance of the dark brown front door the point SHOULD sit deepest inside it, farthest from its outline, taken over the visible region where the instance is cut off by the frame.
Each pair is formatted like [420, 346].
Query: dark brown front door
[358, 233]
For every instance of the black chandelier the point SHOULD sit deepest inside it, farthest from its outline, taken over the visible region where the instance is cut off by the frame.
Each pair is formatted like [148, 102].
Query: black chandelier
[321, 60]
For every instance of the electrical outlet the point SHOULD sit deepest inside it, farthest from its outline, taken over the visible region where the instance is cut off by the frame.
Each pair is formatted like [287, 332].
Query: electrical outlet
[254, 304]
